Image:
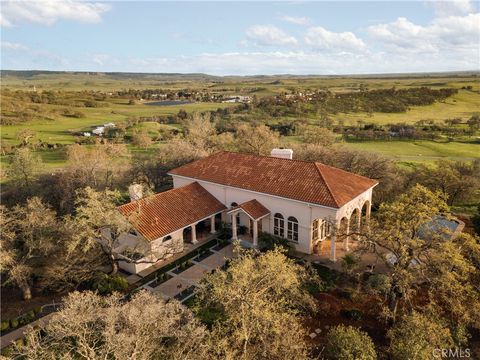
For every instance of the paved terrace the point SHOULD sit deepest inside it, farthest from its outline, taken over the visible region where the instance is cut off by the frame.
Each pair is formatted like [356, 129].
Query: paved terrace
[192, 276]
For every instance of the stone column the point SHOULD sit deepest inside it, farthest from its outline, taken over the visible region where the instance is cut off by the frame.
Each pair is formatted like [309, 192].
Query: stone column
[255, 233]
[234, 226]
[212, 225]
[333, 239]
[347, 236]
[194, 234]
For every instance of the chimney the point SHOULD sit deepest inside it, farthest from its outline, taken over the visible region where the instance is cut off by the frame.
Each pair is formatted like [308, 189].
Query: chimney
[135, 191]
[282, 153]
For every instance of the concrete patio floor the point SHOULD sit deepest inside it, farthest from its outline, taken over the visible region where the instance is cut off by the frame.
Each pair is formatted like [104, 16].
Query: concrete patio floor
[366, 260]
[193, 275]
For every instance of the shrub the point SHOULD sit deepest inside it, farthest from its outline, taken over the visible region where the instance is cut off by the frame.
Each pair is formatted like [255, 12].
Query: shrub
[379, 284]
[326, 274]
[269, 241]
[5, 325]
[37, 310]
[349, 263]
[349, 343]
[345, 294]
[353, 314]
[14, 323]
[107, 284]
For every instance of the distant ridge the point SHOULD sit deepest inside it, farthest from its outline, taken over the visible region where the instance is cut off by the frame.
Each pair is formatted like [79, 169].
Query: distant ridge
[30, 74]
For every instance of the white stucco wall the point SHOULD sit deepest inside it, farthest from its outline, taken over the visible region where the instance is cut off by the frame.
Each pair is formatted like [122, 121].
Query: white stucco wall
[154, 250]
[305, 213]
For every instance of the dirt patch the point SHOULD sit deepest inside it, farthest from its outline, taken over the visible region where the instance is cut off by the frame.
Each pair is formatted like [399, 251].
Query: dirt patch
[334, 304]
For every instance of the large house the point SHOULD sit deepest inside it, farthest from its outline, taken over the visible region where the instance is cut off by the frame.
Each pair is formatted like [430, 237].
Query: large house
[304, 202]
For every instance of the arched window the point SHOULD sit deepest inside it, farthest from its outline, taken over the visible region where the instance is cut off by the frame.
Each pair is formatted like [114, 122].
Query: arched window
[278, 225]
[292, 229]
[315, 229]
[166, 238]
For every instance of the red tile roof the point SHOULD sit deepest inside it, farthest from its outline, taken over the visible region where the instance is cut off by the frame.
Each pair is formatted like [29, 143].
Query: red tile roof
[311, 182]
[163, 213]
[253, 208]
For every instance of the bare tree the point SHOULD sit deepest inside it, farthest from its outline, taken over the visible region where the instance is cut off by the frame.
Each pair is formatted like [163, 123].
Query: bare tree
[93, 327]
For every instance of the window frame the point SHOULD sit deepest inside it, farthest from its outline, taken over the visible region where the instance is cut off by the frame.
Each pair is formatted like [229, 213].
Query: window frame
[292, 229]
[279, 225]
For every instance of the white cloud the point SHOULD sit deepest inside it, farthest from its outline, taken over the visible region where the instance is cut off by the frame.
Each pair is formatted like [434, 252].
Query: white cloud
[269, 35]
[452, 7]
[298, 20]
[12, 46]
[300, 62]
[48, 12]
[322, 39]
[453, 33]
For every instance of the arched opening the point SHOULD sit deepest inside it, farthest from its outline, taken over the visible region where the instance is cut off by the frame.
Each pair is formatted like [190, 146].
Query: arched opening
[292, 229]
[355, 222]
[187, 234]
[365, 214]
[278, 225]
[342, 229]
[166, 238]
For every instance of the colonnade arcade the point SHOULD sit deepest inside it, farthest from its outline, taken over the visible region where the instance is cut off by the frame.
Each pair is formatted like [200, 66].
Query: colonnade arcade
[343, 229]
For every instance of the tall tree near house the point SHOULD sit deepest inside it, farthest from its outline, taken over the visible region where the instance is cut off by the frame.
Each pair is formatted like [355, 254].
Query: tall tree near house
[97, 223]
[455, 180]
[99, 167]
[454, 286]
[259, 140]
[317, 135]
[416, 337]
[24, 168]
[30, 234]
[260, 298]
[399, 237]
[90, 326]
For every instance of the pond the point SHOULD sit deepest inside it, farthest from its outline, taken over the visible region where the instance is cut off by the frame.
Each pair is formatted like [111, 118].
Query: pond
[169, 102]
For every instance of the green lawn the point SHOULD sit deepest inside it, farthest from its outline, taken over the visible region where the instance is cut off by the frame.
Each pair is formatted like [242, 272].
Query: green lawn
[61, 129]
[420, 151]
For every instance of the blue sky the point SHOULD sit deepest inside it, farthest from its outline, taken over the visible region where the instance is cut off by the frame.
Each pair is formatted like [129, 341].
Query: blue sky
[241, 38]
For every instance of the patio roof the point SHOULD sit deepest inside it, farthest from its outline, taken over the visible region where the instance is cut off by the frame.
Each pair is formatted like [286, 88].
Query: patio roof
[253, 208]
[161, 214]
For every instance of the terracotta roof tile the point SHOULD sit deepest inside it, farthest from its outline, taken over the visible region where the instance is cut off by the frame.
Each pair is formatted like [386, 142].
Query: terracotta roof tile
[292, 179]
[161, 214]
[253, 208]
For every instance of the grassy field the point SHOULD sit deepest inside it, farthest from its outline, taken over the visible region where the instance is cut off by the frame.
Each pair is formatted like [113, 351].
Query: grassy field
[420, 151]
[61, 129]
[461, 105]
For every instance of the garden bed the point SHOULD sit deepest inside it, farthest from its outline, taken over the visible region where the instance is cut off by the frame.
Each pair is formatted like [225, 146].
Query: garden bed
[161, 278]
[185, 293]
[179, 261]
[182, 267]
[203, 256]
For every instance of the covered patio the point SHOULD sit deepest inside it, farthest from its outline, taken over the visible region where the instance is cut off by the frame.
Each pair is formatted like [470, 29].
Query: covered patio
[255, 212]
[332, 238]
